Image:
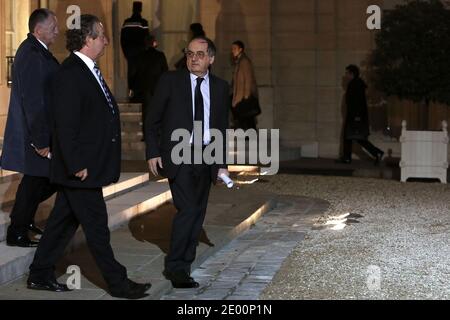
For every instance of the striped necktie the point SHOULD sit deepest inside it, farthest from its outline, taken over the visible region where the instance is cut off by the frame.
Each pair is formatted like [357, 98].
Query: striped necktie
[104, 87]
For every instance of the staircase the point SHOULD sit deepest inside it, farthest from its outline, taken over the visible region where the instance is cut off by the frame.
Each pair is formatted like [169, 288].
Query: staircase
[132, 146]
[133, 195]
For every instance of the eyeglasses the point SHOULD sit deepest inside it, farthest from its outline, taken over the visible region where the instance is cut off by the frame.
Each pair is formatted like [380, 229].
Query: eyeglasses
[200, 54]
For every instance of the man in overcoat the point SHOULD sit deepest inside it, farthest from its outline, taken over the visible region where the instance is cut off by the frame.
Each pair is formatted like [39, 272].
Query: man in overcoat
[27, 140]
[356, 121]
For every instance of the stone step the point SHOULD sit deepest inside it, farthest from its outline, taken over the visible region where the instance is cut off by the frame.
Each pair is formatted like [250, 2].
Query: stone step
[14, 262]
[133, 146]
[129, 107]
[132, 136]
[133, 155]
[6, 173]
[133, 150]
[8, 188]
[131, 117]
[128, 182]
[131, 127]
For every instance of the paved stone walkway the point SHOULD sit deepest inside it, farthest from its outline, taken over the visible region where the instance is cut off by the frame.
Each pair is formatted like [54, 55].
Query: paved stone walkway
[143, 242]
[244, 267]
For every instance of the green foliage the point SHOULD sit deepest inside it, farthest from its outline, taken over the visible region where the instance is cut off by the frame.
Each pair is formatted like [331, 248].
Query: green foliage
[412, 55]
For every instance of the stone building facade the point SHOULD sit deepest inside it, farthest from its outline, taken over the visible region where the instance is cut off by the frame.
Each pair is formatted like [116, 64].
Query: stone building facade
[299, 48]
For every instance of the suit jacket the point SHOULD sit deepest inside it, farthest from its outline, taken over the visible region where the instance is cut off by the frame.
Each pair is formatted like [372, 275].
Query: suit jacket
[171, 109]
[86, 134]
[28, 116]
[145, 73]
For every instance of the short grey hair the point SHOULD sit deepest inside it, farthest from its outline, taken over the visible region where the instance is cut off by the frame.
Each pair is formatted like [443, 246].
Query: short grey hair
[38, 16]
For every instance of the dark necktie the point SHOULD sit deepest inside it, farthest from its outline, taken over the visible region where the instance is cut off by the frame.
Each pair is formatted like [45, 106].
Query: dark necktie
[104, 87]
[199, 112]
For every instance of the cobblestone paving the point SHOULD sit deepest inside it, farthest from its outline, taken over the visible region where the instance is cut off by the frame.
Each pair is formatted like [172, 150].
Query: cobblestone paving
[243, 268]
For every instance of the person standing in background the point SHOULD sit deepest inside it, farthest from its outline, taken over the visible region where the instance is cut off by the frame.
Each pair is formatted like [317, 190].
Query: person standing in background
[245, 91]
[356, 117]
[149, 66]
[133, 37]
[26, 147]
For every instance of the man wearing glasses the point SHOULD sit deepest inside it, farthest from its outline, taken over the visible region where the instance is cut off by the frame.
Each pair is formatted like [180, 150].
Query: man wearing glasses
[181, 98]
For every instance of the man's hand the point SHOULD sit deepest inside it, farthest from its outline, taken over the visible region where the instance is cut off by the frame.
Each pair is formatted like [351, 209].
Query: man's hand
[43, 152]
[153, 165]
[83, 174]
[222, 171]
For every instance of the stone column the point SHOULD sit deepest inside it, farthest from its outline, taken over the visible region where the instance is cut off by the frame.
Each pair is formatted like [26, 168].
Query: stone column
[293, 71]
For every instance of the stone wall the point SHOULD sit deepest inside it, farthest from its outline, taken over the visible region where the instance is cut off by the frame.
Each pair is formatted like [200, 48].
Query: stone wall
[313, 42]
[300, 50]
[226, 21]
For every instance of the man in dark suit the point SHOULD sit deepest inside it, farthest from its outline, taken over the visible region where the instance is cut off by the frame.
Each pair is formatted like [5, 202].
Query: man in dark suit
[26, 147]
[356, 122]
[149, 66]
[132, 40]
[86, 157]
[182, 97]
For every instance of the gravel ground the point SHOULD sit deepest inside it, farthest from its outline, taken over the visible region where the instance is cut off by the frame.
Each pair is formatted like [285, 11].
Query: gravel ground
[398, 249]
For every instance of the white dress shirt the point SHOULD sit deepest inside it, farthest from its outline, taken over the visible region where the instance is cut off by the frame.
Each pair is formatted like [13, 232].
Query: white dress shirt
[90, 64]
[43, 44]
[204, 88]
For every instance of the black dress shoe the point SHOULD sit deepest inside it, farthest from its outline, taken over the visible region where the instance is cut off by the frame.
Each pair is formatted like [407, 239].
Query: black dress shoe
[49, 285]
[20, 241]
[32, 227]
[181, 280]
[132, 290]
[139, 286]
[188, 284]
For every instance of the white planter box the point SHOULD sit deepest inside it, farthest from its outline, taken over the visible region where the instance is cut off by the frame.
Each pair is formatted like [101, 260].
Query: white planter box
[424, 154]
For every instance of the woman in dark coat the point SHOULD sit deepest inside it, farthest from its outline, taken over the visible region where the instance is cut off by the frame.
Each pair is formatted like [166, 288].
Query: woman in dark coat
[356, 123]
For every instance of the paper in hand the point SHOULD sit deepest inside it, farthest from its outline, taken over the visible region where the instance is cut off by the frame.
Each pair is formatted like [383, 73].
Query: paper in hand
[49, 156]
[226, 179]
